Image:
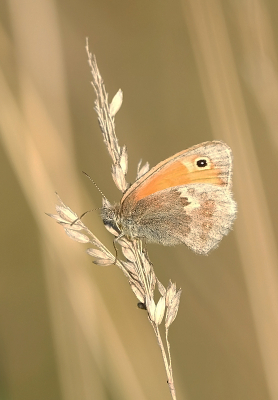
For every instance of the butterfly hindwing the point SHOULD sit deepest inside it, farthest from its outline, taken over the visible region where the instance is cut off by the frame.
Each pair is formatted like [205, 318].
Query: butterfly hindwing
[197, 215]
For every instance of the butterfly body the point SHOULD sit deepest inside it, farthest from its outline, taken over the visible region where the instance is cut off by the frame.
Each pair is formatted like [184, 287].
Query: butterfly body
[185, 199]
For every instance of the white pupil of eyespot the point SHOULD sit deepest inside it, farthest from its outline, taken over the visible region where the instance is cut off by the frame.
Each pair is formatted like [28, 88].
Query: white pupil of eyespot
[202, 163]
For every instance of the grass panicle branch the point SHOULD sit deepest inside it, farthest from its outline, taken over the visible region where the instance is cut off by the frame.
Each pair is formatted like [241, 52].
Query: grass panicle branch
[136, 267]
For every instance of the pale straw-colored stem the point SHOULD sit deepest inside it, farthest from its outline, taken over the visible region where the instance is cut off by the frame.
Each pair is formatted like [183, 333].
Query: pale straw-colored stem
[168, 367]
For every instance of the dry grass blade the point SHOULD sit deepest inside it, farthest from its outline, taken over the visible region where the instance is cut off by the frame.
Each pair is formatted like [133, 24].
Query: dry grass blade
[173, 309]
[159, 311]
[142, 170]
[79, 237]
[226, 105]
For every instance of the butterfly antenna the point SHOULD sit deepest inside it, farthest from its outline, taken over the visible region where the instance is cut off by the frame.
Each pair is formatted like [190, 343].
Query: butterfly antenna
[86, 212]
[81, 216]
[88, 176]
[116, 250]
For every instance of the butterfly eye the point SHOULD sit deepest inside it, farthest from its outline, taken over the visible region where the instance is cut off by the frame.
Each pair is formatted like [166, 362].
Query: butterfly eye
[202, 162]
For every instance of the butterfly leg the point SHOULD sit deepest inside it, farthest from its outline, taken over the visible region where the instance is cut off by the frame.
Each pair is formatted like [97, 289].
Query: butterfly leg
[114, 244]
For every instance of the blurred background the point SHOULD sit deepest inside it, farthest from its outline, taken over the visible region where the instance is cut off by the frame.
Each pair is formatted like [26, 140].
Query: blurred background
[191, 71]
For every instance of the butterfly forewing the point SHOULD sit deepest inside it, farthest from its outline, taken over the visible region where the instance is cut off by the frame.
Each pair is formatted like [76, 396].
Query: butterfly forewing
[182, 169]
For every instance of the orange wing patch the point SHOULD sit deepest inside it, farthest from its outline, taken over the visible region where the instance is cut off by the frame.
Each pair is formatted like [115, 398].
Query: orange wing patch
[181, 172]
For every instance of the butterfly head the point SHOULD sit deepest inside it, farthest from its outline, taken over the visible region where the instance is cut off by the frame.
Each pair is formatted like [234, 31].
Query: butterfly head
[110, 216]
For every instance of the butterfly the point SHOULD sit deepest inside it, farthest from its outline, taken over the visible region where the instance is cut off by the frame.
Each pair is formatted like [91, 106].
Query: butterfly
[185, 199]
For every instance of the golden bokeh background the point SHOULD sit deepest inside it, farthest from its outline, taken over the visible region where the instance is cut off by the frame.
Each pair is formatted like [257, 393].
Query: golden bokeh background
[191, 71]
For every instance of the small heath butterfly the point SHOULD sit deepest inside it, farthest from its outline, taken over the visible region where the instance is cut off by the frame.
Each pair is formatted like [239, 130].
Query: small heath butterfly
[185, 199]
